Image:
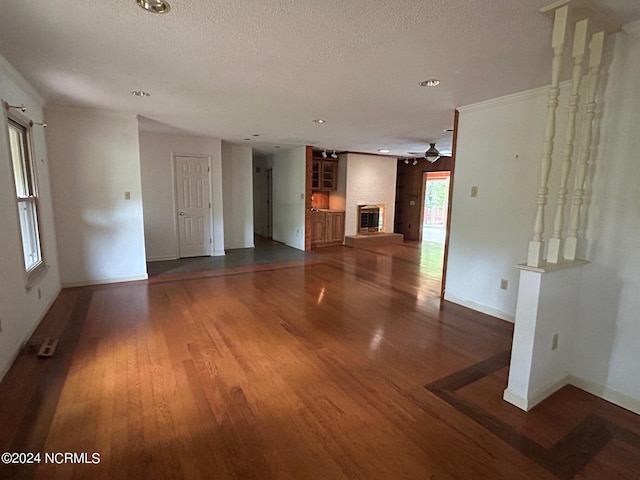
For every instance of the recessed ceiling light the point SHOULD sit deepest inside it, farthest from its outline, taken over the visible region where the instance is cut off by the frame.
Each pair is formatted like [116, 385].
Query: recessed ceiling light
[319, 120]
[154, 6]
[432, 82]
[384, 150]
[140, 93]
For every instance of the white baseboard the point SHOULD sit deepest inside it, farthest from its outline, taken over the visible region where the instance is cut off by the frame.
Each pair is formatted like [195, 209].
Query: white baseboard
[219, 253]
[528, 403]
[480, 308]
[606, 393]
[104, 281]
[162, 258]
[28, 334]
[514, 399]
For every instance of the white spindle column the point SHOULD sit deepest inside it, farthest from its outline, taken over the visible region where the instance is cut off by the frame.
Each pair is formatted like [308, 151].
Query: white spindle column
[579, 40]
[595, 59]
[536, 245]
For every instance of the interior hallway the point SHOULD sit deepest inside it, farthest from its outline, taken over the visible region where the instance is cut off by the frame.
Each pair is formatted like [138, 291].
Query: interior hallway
[340, 368]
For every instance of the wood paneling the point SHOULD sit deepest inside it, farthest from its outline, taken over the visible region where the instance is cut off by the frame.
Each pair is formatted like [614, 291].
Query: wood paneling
[313, 371]
[409, 189]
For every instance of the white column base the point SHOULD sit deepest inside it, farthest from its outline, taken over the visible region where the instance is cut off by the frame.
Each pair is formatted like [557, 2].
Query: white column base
[536, 251]
[570, 248]
[554, 250]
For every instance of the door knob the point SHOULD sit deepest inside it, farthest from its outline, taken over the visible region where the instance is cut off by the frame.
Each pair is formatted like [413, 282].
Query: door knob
[182, 214]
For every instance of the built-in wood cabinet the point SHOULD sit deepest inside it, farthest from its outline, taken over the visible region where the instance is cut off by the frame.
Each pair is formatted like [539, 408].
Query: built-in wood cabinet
[324, 175]
[327, 228]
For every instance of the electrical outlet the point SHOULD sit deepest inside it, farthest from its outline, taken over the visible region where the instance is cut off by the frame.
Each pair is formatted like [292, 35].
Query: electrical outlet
[474, 191]
[554, 341]
[504, 283]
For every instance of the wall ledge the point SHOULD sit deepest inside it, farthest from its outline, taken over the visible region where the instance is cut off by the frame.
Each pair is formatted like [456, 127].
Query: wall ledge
[552, 267]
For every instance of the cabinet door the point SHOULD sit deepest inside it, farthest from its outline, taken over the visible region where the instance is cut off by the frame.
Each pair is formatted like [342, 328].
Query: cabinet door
[335, 227]
[318, 220]
[329, 176]
[315, 175]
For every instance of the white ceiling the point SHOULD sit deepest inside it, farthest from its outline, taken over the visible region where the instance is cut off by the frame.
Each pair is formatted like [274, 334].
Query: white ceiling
[232, 69]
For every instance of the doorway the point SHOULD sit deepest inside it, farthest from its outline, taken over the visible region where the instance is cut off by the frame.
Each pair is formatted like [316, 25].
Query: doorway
[433, 225]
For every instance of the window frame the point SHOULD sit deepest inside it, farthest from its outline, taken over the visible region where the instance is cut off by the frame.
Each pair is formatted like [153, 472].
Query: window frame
[33, 272]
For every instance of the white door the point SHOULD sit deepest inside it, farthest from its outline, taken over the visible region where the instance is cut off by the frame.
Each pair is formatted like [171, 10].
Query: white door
[194, 209]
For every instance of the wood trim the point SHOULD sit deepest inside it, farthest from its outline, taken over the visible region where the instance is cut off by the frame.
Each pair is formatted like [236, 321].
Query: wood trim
[307, 198]
[445, 260]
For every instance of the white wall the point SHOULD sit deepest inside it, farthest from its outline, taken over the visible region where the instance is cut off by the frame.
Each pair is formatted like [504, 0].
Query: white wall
[490, 233]
[94, 159]
[371, 179]
[289, 181]
[20, 309]
[237, 191]
[157, 151]
[499, 150]
[606, 353]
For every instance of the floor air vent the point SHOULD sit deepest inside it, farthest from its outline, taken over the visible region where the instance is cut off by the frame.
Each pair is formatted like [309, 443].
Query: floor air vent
[48, 347]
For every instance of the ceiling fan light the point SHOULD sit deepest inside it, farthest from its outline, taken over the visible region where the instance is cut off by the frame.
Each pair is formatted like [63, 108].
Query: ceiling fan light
[432, 154]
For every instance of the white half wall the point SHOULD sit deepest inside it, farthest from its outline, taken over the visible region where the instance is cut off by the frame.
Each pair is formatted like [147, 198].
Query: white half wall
[157, 152]
[370, 179]
[237, 191]
[499, 148]
[94, 159]
[21, 309]
[289, 183]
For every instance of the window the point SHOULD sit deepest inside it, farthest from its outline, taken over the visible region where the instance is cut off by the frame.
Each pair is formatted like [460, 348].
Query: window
[27, 197]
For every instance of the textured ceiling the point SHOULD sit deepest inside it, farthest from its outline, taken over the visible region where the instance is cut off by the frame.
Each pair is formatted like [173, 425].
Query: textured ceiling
[232, 69]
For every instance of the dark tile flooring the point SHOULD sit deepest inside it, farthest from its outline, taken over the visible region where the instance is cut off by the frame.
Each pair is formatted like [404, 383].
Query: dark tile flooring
[265, 252]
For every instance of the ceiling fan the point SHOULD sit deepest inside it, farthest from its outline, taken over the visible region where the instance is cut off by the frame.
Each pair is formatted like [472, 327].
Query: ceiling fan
[431, 155]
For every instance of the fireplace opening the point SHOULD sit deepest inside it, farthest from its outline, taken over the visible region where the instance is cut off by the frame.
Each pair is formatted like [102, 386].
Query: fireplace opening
[370, 218]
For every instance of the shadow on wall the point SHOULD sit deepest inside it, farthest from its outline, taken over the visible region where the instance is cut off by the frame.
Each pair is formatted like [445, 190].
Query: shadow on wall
[595, 328]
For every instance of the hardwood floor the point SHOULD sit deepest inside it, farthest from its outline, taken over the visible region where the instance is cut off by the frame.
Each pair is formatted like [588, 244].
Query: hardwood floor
[341, 368]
